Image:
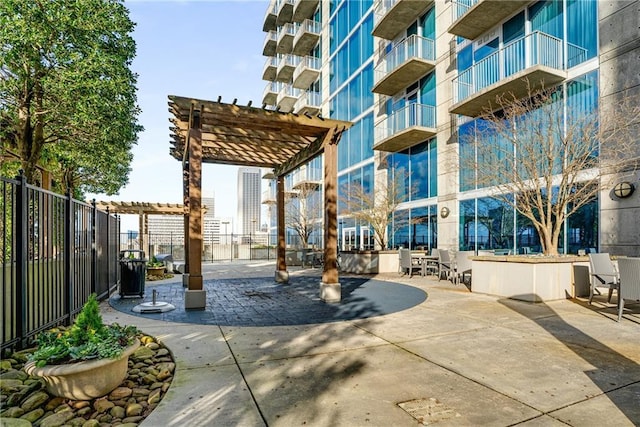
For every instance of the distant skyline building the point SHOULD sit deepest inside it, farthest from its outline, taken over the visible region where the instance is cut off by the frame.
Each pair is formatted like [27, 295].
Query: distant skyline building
[249, 199]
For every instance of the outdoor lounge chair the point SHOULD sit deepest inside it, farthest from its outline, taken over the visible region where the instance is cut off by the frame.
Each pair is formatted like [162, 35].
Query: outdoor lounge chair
[407, 264]
[463, 266]
[444, 264]
[603, 273]
[629, 286]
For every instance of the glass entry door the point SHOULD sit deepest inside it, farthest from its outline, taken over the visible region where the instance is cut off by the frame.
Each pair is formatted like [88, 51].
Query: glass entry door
[349, 242]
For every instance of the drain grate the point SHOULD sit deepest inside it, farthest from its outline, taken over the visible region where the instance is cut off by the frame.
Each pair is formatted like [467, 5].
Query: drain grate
[428, 411]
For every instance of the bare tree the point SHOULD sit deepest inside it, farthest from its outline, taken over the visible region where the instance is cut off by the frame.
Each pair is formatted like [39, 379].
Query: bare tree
[548, 158]
[303, 212]
[375, 206]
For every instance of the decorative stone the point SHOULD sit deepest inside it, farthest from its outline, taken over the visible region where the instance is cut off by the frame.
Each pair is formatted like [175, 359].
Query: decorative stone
[102, 405]
[133, 409]
[35, 400]
[154, 396]
[76, 422]
[10, 385]
[140, 392]
[152, 345]
[132, 419]
[162, 352]
[91, 423]
[13, 412]
[117, 412]
[81, 404]
[13, 374]
[63, 407]
[34, 415]
[5, 365]
[142, 353]
[120, 393]
[57, 419]
[54, 403]
[84, 380]
[14, 422]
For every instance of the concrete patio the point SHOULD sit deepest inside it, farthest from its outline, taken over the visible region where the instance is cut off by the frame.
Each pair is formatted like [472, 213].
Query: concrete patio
[455, 358]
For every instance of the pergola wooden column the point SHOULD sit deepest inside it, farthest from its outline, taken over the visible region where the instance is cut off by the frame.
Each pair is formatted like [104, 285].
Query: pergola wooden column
[216, 132]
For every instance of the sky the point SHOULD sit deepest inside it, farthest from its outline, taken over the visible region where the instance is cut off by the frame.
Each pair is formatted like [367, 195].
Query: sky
[200, 49]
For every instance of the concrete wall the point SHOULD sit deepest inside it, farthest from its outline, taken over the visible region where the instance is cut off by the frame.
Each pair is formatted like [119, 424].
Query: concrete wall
[620, 78]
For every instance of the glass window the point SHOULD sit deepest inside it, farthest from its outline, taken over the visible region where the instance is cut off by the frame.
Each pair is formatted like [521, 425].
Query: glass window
[433, 168]
[428, 89]
[468, 224]
[367, 136]
[419, 229]
[582, 31]
[420, 170]
[465, 58]
[428, 24]
[513, 29]
[495, 224]
[546, 16]
[401, 226]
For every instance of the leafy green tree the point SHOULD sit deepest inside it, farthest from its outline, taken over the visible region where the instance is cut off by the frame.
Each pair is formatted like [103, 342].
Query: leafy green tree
[67, 93]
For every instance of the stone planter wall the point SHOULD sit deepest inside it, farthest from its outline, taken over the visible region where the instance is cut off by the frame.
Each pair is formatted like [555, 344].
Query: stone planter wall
[369, 262]
[531, 278]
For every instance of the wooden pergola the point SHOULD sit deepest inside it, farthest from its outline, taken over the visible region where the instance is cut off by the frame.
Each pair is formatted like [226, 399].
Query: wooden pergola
[216, 132]
[143, 210]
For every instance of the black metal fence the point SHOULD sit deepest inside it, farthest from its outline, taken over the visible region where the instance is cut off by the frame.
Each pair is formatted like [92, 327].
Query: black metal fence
[55, 252]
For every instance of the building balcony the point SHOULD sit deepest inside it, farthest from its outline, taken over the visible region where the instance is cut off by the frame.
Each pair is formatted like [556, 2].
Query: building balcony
[286, 34]
[306, 177]
[286, 66]
[471, 18]
[393, 16]
[405, 128]
[285, 11]
[269, 196]
[270, 69]
[270, 43]
[270, 17]
[271, 91]
[303, 9]
[521, 67]
[407, 62]
[307, 71]
[287, 97]
[307, 37]
[309, 102]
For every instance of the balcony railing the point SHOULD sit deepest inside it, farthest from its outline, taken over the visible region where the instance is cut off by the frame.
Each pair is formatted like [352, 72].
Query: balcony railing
[270, 16]
[270, 68]
[404, 64]
[306, 72]
[308, 102]
[271, 91]
[536, 49]
[270, 43]
[392, 16]
[286, 66]
[307, 36]
[304, 9]
[405, 127]
[285, 11]
[287, 97]
[471, 18]
[306, 176]
[286, 34]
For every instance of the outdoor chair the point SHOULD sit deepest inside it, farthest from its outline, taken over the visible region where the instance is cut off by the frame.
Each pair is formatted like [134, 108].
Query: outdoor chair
[407, 264]
[430, 265]
[444, 264]
[629, 286]
[603, 273]
[463, 266]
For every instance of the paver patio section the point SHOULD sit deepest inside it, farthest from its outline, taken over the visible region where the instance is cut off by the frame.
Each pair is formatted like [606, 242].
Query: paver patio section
[455, 358]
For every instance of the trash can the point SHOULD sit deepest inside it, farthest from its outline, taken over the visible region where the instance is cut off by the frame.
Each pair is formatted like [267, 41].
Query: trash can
[133, 266]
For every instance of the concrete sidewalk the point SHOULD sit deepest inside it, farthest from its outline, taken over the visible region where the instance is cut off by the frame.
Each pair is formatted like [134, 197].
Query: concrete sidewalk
[456, 358]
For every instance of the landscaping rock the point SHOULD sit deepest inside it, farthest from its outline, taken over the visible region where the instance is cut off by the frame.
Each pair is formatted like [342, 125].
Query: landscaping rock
[25, 401]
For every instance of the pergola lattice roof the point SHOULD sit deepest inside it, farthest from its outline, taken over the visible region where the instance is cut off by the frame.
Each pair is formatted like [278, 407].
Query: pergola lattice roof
[142, 208]
[249, 136]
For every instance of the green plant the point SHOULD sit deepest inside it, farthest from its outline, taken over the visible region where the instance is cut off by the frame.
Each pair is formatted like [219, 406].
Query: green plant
[153, 262]
[88, 338]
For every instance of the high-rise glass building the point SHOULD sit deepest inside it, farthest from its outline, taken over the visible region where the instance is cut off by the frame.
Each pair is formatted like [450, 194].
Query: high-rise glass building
[415, 76]
[249, 200]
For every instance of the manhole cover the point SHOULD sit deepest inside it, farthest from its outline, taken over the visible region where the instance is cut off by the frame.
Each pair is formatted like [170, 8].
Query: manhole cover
[428, 411]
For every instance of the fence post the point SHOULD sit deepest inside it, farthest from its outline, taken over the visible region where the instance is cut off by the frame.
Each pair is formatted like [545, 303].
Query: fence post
[94, 242]
[22, 254]
[68, 255]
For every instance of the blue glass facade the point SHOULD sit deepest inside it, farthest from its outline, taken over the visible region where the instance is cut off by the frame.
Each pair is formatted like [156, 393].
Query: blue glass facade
[486, 223]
